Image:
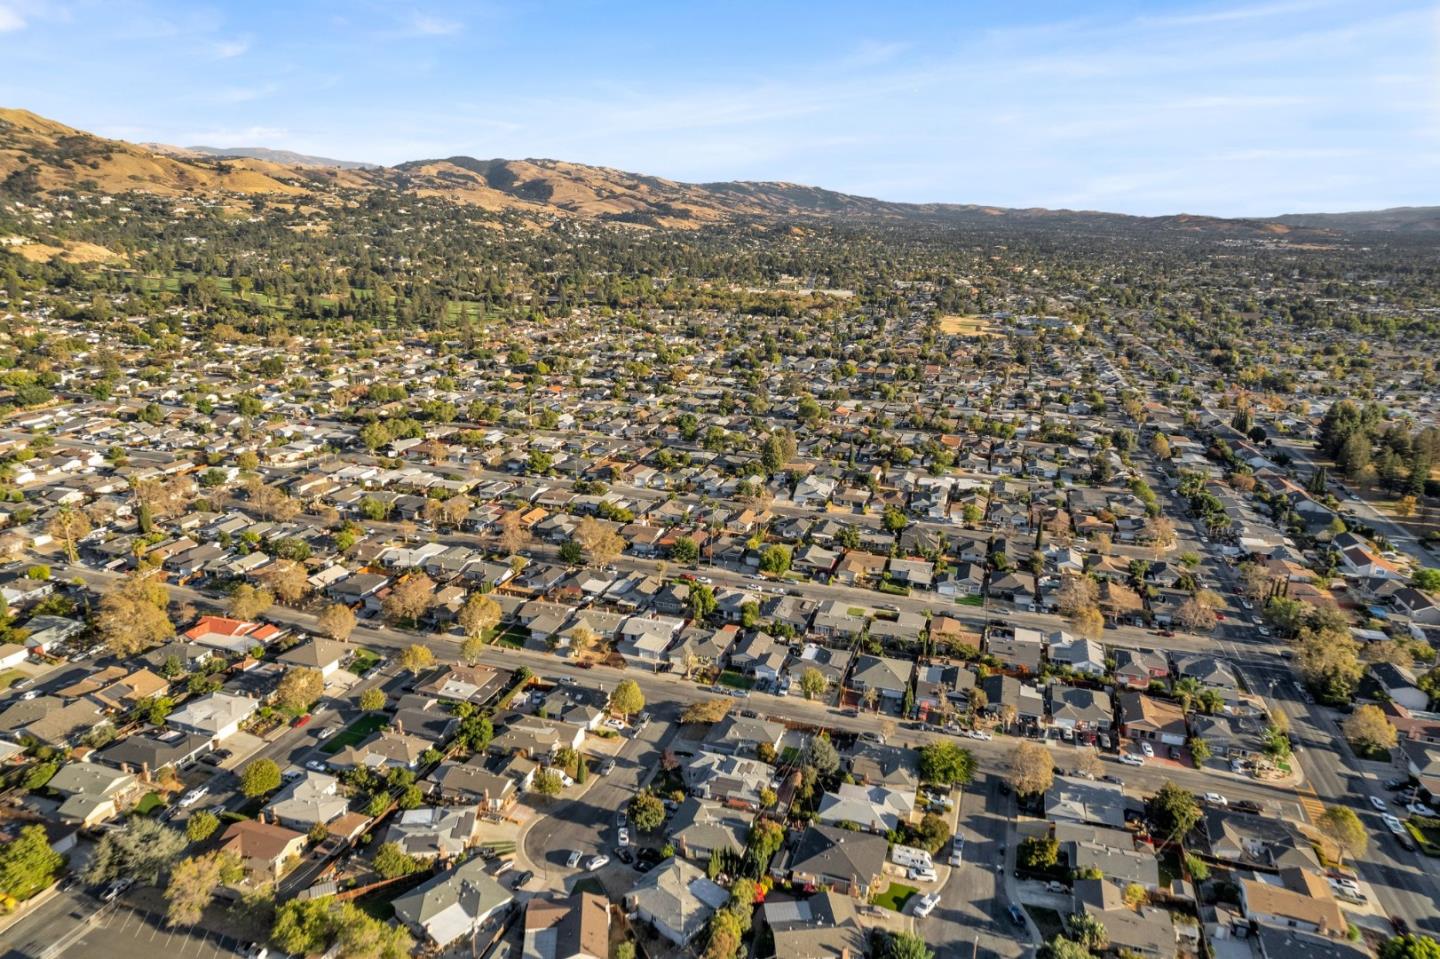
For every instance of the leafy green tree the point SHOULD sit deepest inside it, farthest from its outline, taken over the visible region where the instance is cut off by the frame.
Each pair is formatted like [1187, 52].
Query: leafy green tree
[372, 700]
[547, 783]
[775, 560]
[1174, 811]
[28, 864]
[144, 850]
[685, 551]
[627, 699]
[821, 754]
[391, 862]
[647, 812]
[1039, 852]
[906, 945]
[201, 825]
[1341, 826]
[946, 763]
[813, 683]
[259, 777]
[1410, 946]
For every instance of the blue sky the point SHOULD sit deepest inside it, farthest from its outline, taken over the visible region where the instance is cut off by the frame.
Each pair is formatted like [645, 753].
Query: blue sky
[1250, 107]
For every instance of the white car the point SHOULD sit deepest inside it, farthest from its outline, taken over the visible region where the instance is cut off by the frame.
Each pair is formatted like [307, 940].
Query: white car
[1377, 802]
[980, 734]
[326, 733]
[922, 874]
[1131, 759]
[927, 904]
[193, 796]
[1215, 799]
[957, 851]
[1147, 749]
[1343, 882]
[1393, 824]
[624, 838]
[615, 724]
[704, 579]
[1420, 809]
[574, 859]
[597, 861]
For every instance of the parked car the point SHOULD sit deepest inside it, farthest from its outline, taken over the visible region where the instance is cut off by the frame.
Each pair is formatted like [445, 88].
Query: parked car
[1377, 802]
[927, 904]
[615, 724]
[607, 767]
[921, 874]
[1056, 886]
[597, 862]
[521, 878]
[1420, 809]
[1247, 805]
[624, 837]
[115, 888]
[979, 734]
[1147, 749]
[1215, 799]
[1395, 785]
[1017, 916]
[315, 765]
[326, 733]
[1131, 759]
[574, 859]
[1393, 824]
[193, 796]
[957, 851]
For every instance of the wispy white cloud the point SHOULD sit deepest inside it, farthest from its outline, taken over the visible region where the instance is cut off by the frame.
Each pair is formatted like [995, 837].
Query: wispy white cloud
[427, 25]
[10, 20]
[251, 136]
[229, 49]
[243, 94]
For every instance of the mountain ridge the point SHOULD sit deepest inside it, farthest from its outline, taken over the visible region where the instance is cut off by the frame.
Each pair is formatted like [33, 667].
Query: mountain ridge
[41, 154]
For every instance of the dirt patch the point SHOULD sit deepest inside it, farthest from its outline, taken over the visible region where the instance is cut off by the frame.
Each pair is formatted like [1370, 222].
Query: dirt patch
[970, 325]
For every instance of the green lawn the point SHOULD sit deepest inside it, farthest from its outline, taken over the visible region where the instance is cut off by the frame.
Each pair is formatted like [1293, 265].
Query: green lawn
[970, 601]
[513, 636]
[354, 734]
[363, 661]
[896, 896]
[736, 681]
[149, 805]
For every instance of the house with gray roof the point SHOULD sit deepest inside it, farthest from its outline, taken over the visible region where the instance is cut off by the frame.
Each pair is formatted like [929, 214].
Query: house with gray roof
[676, 899]
[453, 904]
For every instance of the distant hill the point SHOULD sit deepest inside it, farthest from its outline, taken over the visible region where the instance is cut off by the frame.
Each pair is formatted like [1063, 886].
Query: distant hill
[282, 157]
[1400, 219]
[42, 154]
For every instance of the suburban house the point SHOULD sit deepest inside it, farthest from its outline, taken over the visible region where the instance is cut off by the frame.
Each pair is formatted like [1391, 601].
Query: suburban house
[1144, 717]
[217, 716]
[851, 863]
[676, 899]
[265, 850]
[876, 808]
[569, 927]
[326, 655]
[453, 904]
[826, 924]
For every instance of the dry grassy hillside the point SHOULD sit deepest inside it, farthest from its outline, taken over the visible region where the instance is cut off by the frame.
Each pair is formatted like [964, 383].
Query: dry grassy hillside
[64, 158]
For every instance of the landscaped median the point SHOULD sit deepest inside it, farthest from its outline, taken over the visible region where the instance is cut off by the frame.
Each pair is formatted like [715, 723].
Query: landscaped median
[1426, 833]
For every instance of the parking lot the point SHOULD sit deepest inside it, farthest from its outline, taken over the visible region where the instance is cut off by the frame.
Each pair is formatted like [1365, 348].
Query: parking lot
[126, 933]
